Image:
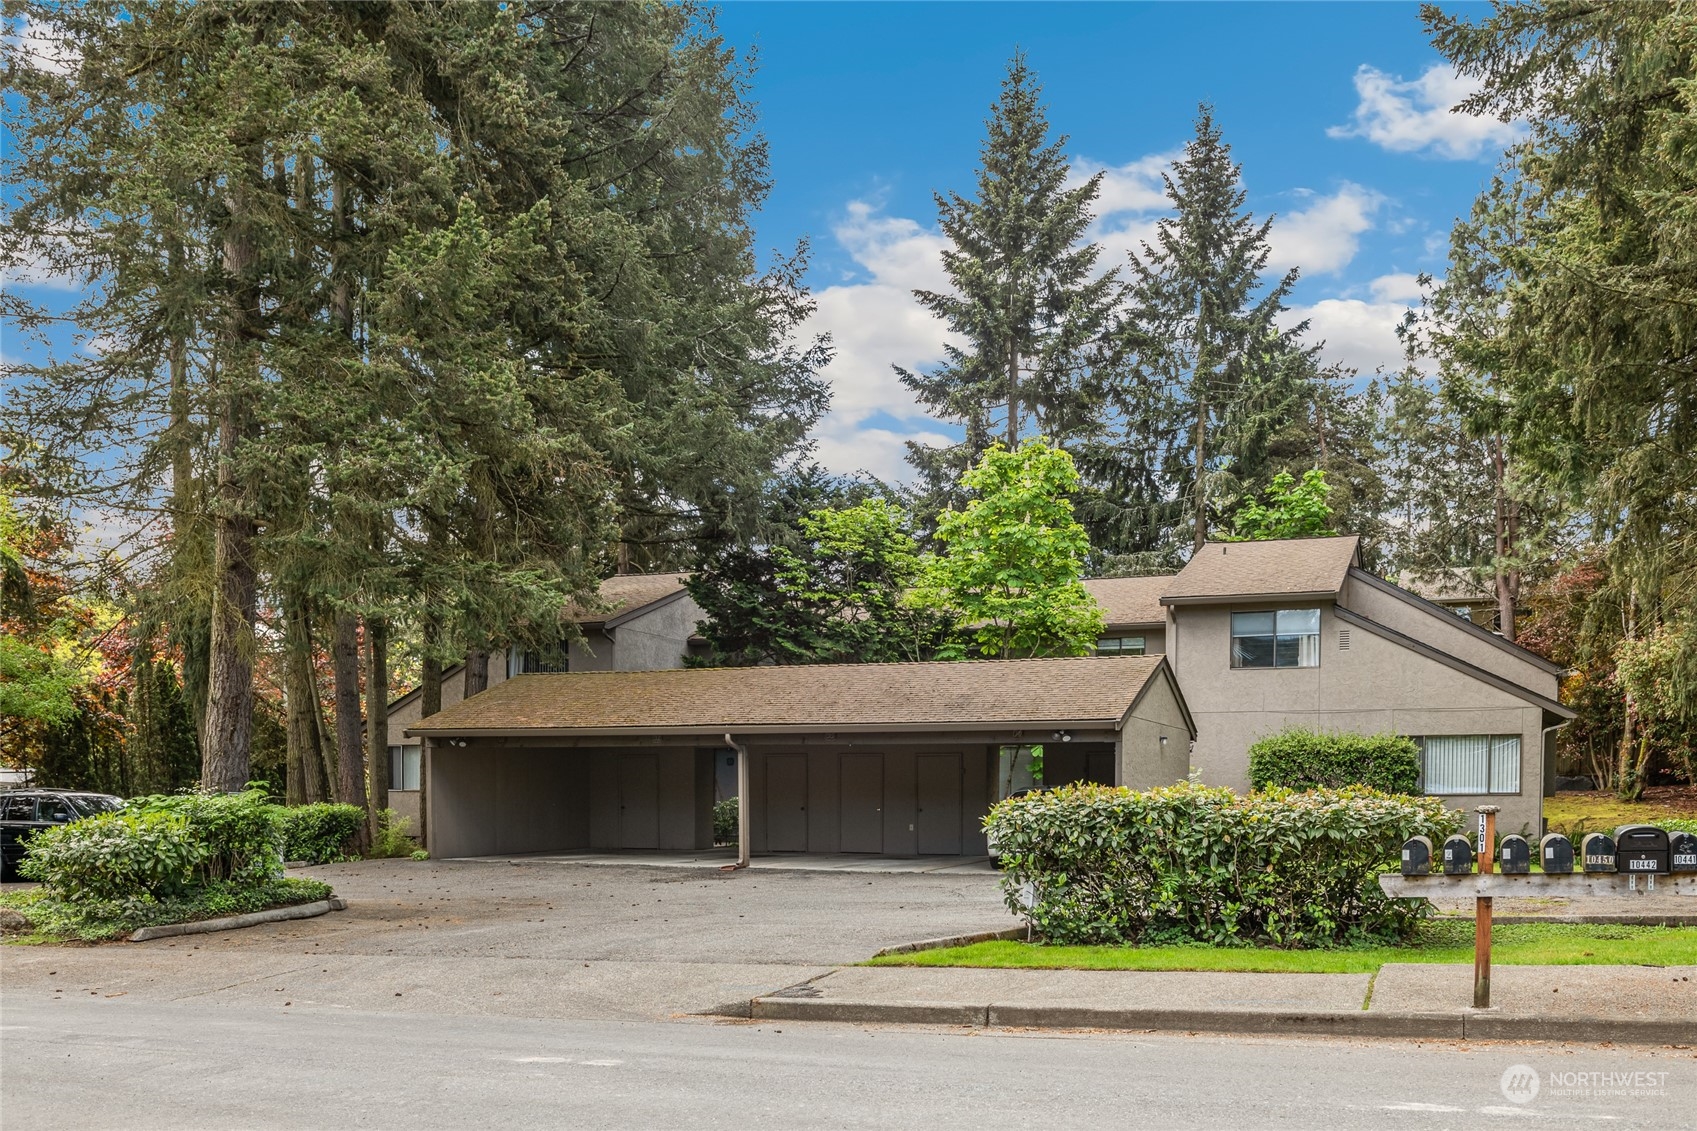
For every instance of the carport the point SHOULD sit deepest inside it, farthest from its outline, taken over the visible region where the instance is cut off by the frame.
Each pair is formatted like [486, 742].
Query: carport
[878, 759]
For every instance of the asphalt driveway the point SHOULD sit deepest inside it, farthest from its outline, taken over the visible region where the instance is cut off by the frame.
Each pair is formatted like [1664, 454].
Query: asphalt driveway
[541, 939]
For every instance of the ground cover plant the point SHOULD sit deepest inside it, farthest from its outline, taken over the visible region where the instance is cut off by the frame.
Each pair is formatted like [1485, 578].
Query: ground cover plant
[1090, 864]
[1435, 940]
[162, 859]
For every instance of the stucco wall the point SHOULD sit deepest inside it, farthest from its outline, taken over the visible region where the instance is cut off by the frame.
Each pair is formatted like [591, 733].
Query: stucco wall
[1146, 762]
[1374, 685]
[658, 638]
[1449, 632]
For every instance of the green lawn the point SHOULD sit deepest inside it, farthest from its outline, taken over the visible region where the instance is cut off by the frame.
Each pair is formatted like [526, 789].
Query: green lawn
[1603, 812]
[1513, 944]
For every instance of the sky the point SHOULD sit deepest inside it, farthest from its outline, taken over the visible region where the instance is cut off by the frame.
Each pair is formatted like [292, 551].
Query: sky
[1339, 113]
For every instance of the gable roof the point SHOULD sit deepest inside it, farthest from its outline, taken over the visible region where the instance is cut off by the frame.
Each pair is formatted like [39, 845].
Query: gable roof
[623, 595]
[1453, 583]
[1285, 567]
[1449, 618]
[1079, 691]
[1130, 601]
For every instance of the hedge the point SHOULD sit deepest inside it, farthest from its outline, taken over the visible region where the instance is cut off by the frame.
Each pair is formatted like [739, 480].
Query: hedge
[1305, 759]
[1091, 864]
[319, 833]
[116, 856]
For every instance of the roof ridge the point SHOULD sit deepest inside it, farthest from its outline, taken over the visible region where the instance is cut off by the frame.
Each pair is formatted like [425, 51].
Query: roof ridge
[816, 667]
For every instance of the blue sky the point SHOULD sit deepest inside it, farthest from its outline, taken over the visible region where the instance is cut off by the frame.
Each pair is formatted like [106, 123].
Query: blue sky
[1339, 114]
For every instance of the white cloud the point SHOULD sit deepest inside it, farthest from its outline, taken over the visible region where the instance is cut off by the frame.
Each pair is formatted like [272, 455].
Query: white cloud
[1325, 236]
[876, 324]
[1416, 116]
[1359, 333]
[34, 270]
[39, 46]
[1135, 186]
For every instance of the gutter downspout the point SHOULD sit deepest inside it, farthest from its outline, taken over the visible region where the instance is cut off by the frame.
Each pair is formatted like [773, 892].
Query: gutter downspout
[742, 800]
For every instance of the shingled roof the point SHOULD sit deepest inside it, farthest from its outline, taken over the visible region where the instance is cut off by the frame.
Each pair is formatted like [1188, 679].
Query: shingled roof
[1130, 601]
[1286, 567]
[1066, 692]
[624, 593]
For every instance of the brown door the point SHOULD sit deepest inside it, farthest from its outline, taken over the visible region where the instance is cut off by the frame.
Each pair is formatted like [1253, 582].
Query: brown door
[936, 824]
[786, 803]
[639, 801]
[863, 803]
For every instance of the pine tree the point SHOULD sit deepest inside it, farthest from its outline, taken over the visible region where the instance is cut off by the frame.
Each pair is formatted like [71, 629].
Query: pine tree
[1215, 373]
[1036, 316]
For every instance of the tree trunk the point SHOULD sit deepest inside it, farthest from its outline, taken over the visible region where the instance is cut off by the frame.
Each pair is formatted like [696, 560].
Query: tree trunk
[304, 783]
[350, 750]
[476, 672]
[1201, 485]
[229, 707]
[1507, 578]
[1013, 398]
[377, 715]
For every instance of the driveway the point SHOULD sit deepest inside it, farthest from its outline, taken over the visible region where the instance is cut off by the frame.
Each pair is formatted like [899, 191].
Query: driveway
[531, 939]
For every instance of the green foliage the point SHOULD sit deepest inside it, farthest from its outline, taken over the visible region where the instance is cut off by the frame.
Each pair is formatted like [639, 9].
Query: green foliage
[725, 821]
[319, 834]
[1011, 560]
[1298, 758]
[1192, 862]
[1292, 510]
[1652, 670]
[94, 920]
[240, 835]
[392, 839]
[418, 854]
[116, 856]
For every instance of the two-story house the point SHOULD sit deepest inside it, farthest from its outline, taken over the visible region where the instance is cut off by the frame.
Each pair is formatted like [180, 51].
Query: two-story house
[1264, 635]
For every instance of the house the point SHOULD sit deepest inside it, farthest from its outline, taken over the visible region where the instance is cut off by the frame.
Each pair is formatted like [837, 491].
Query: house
[892, 759]
[642, 622]
[1135, 620]
[1264, 635]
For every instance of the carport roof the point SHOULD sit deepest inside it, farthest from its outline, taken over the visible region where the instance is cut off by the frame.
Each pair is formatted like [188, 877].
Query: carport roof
[1081, 691]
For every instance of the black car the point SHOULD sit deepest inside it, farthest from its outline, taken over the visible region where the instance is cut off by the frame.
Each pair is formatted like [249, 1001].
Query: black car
[24, 811]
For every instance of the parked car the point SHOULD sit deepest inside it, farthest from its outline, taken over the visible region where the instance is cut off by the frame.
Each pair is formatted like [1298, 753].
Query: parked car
[25, 811]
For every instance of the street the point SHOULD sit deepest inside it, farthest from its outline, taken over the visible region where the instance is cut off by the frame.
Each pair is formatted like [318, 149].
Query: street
[98, 1062]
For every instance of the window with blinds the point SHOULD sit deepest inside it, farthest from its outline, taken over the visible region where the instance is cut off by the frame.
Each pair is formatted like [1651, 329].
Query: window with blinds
[404, 765]
[1470, 763]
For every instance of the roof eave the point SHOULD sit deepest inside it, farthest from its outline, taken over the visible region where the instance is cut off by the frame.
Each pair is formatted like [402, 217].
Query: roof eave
[1232, 598]
[718, 729]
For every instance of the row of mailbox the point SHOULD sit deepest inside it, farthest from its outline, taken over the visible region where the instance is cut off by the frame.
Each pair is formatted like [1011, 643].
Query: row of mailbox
[1638, 849]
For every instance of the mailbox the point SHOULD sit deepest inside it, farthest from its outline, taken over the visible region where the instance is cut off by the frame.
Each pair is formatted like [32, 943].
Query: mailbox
[1598, 849]
[1556, 852]
[1682, 852]
[1417, 856]
[1514, 856]
[1458, 856]
[1641, 848]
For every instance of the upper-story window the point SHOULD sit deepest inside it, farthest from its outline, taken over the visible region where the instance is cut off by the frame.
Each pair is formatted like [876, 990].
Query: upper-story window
[554, 658]
[1286, 638]
[1121, 646]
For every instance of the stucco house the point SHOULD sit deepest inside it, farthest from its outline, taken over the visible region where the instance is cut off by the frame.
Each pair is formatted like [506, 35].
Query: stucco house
[642, 622]
[1264, 635]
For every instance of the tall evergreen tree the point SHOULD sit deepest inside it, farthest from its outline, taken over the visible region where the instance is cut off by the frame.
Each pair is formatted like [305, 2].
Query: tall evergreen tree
[1036, 316]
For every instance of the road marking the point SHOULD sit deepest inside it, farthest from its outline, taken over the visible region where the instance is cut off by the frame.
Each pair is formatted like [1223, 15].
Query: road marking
[1421, 1107]
[601, 1063]
[540, 1060]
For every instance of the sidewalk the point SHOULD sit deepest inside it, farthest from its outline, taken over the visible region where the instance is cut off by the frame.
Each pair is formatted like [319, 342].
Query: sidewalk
[1635, 1004]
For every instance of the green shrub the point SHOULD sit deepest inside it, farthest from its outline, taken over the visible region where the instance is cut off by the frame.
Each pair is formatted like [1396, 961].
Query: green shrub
[319, 834]
[1195, 863]
[92, 920]
[115, 856]
[725, 821]
[392, 838]
[240, 834]
[1304, 759]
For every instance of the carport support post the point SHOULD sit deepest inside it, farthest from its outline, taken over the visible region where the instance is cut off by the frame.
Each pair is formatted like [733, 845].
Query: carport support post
[1482, 909]
[742, 800]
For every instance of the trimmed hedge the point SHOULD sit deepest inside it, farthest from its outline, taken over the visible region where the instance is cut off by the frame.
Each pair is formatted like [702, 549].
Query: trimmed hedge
[1098, 864]
[1298, 758]
[319, 833]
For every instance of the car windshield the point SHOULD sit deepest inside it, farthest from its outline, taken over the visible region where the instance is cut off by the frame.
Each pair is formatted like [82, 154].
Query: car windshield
[88, 804]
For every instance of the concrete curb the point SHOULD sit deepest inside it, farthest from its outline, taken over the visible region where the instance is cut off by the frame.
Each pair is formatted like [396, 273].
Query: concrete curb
[1341, 1023]
[953, 940]
[235, 922]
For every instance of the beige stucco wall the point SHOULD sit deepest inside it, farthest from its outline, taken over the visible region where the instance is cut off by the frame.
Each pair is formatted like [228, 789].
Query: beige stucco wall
[1448, 632]
[1146, 762]
[1376, 685]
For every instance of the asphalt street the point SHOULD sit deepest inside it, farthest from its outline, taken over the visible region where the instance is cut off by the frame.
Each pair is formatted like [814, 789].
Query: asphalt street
[97, 1063]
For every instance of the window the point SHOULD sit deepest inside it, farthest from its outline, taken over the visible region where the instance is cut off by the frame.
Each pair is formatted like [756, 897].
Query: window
[55, 809]
[553, 658]
[1120, 646]
[404, 767]
[1470, 763]
[19, 807]
[1288, 638]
